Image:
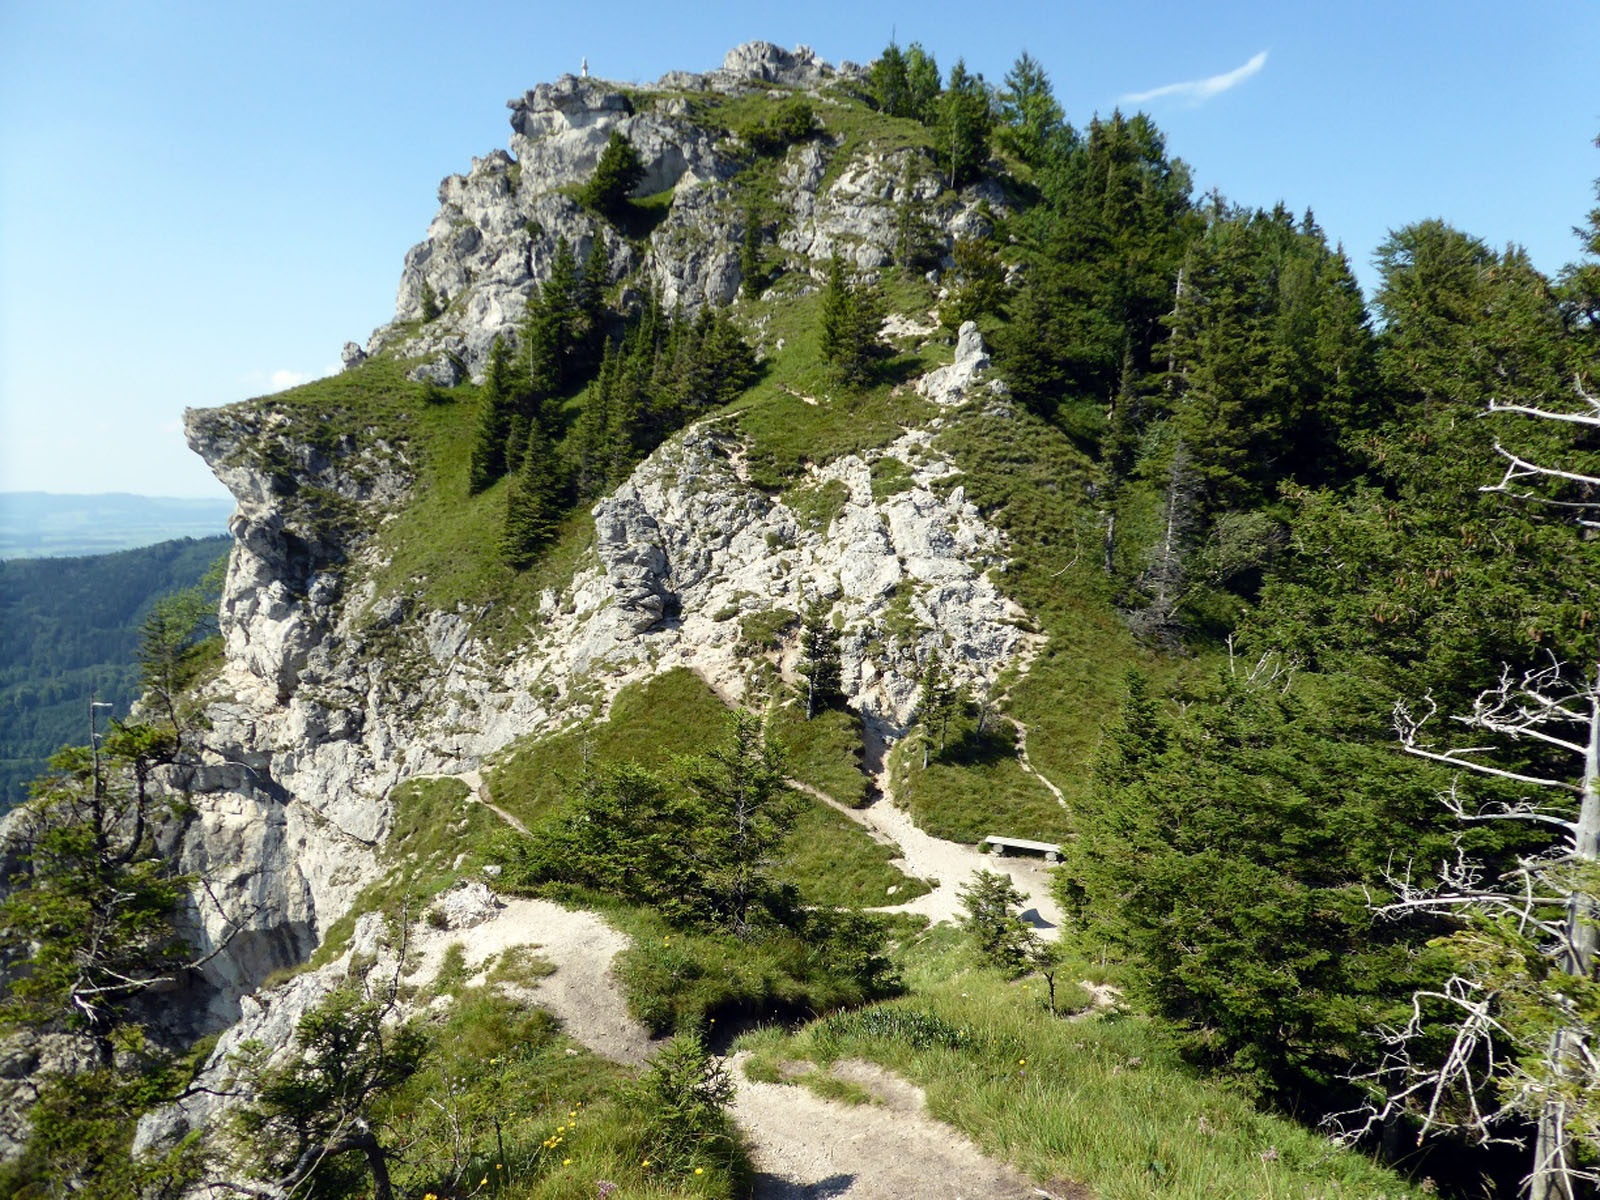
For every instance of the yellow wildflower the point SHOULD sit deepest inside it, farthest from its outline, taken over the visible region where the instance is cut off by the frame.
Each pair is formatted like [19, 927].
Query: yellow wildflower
[699, 1170]
[566, 1162]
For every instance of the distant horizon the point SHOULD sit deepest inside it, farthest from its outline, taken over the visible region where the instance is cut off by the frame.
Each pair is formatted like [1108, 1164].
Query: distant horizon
[187, 497]
[40, 524]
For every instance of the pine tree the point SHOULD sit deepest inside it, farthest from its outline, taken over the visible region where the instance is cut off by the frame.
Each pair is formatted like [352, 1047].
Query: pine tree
[1033, 127]
[323, 1104]
[819, 661]
[963, 125]
[488, 462]
[977, 284]
[533, 502]
[1108, 247]
[849, 324]
[922, 84]
[752, 271]
[915, 234]
[887, 82]
[597, 426]
[618, 172]
[936, 702]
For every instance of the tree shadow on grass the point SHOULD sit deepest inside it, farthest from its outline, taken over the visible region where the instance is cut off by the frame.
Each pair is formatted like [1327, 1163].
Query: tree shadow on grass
[970, 748]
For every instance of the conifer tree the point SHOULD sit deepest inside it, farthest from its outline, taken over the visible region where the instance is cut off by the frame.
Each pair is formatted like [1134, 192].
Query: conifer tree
[962, 127]
[936, 701]
[819, 661]
[488, 462]
[615, 176]
[321, 1107]
[752, 271]
[849, 324]
[915, 235]
[533, 502]
[922, 83]
[596, 427]
[887, 81]
[1032, 125]
[977, 284]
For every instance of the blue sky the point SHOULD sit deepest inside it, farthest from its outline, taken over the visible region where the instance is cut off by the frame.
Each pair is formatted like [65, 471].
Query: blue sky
[200, 202]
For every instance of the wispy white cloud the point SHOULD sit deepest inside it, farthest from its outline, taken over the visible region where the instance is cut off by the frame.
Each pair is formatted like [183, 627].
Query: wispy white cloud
[282, 378]
[1198, 91]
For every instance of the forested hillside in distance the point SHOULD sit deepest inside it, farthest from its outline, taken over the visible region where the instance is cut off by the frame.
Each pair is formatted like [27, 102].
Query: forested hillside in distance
[71, 629]
[48, 525]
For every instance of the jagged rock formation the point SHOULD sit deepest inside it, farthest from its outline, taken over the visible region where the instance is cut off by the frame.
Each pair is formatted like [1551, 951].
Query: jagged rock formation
[333, 693]
[495, 236]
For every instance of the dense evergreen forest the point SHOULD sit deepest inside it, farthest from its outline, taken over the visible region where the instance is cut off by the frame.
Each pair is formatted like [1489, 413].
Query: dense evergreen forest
[1330, 744]
[72, 630]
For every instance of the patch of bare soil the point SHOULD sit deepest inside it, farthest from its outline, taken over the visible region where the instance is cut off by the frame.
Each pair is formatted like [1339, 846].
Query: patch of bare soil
[808, 1148]
[581, 992]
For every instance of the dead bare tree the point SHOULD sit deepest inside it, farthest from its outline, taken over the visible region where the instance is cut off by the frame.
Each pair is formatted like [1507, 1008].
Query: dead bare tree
[1523, 1012]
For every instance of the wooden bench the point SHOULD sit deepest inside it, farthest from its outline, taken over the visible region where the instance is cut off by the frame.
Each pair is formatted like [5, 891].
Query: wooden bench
[996, 844]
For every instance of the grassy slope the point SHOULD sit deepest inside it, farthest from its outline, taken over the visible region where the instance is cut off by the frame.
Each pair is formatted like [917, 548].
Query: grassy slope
[829, 857]
[507, 1100]
[1103, 1099]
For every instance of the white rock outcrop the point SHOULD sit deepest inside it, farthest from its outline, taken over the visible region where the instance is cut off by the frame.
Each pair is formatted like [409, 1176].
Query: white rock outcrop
[498, 226]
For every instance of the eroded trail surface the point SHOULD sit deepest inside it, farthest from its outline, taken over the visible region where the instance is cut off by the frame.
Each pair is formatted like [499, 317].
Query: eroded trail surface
[950, 863]
[808, 1148]
[804, 1147]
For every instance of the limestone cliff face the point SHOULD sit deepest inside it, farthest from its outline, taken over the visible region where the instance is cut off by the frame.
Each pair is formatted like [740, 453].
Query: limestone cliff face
[499, 225]
[328, 700]
[333, 693]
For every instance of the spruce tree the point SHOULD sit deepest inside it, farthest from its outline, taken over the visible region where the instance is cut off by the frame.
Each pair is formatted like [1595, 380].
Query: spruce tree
[888, 84]
[935, 703]
[819, 661]
[978, 283]
[915, 235]
[849, 324]
[1032, 125]
[922, 83]
[752, 271]
[615, 176]
[533, 502]
[962, 127]
[488, 462]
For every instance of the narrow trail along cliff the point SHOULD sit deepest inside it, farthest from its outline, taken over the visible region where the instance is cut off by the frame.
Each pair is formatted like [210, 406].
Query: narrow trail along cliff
[803, 1146]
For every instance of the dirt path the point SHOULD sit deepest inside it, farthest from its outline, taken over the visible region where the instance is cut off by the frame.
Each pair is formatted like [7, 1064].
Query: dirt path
[1026, 763]
[808, 1148]
[950, 863]
[804, 1147]
[581, 992]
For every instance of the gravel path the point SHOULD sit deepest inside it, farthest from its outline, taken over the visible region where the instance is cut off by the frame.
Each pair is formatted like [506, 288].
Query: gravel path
[808, 1148]
[951, 863]
[803, 1147]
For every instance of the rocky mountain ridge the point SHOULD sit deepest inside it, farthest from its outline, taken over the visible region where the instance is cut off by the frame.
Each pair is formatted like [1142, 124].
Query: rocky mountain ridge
[331, 696]
[334, 691]
[495, 236]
